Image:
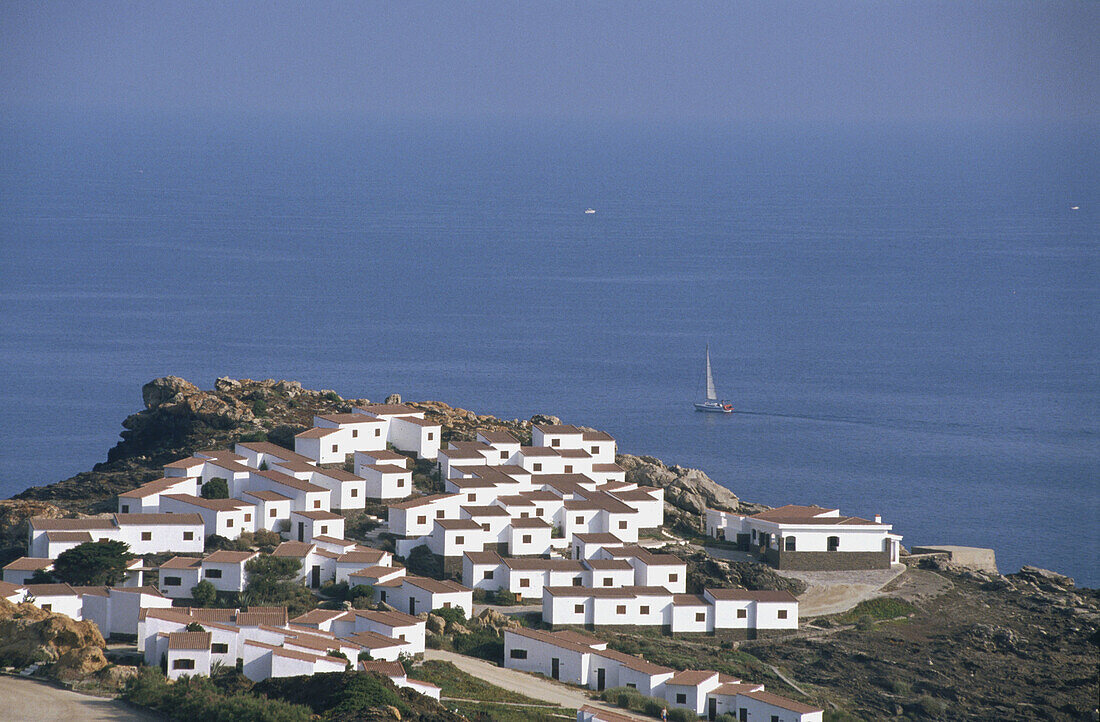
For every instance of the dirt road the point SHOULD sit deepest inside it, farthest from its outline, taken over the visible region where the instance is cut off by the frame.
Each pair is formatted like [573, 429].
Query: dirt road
[25, 699]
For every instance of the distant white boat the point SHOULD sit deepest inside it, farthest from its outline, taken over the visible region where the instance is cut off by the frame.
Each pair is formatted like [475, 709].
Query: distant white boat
[712, 404]
[1072, 208]
[589, 211]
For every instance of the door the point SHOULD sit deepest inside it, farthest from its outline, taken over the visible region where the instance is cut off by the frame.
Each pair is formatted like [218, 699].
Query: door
[712, 708]
[600, 679]
[301, 531]
[315, 576]
[412, 606]
[555, 668]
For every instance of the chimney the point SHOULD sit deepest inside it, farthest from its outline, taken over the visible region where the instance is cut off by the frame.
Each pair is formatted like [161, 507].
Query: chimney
[878, 518]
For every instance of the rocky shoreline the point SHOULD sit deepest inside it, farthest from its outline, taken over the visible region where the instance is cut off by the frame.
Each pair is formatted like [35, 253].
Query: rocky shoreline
[980, 645]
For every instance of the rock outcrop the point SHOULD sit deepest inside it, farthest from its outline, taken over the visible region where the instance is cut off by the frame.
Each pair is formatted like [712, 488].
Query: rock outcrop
[688, 492]
[28, 635]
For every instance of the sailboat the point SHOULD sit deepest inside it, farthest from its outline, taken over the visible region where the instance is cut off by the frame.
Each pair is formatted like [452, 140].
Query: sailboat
[712, 404]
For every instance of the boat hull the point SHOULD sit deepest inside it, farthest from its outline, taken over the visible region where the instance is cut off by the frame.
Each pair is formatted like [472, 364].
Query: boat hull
[714, 407]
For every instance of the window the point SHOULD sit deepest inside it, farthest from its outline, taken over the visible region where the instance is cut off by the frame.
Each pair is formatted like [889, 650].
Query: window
[439, 514]
[526, 538]
[632, 685]
[743, 714]
[431, 435]
[525, 583]
[378, 432]
[460, 540]
[248, 517]
[568, 468]
[488, 574]
[775, 718]
[537, 466]
[742, 613]
[580, 519]
[681, 698]
[538, 512]
[273, 512]
[484, 527]
[621, 609]
[173, 582]
[183, 664]
[446, 605]
[400, 484]
[834, 543]
[228, 523]
[503, 455]
[782, 614]
[146, 536]
[421, 520]
[190, 535]
[219, 648]
[673, 577]
[125, 508]
[788, 543]
[355, 492]
[555, 442]
[316, 503]
[524, 514]
[578, 608]
[324, 529]
[473, 498]
[335, 447]
[578, 581]
[595, 449]
[213, 573]
[383, 595]
[700, 616]
[607, 581]
[518, 654]
[643, 610]
[47, 607]
[401, 637]
[622, 525]
[355, 433]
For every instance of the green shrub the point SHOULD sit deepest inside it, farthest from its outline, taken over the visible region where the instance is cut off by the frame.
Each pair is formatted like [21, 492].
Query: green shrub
[653, 707]
[878, 608]
[216, 488]
[679, 714]
[932, 706]
[204, 594]
[505, 598]
[93, 564]
[484, 643]
[451, 615]
[254, 436]
[422, 562]
[259, 407]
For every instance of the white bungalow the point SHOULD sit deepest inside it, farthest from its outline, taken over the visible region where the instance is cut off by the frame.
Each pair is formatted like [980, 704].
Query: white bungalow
[386, 481]
[651, 570]
[590, 545]
[608, 573]
[160, 533]
[360, 558]
[381, 456]
[263, 661]
[506, 445]
[809, 538]
[188, 654]
[318, 565]
[272, 508]
[455, 537]
[146, 498]
[116, 610]
[228, 518]
[225, 569]
[416, 517]
[396, 674]
[529, 537]
[349, 491]
[304, 495]
[421, 594]
[406, 428]
[179, 575]
[540, 460]
[305, 525]
[20, 571]
[57, 598]
[736, 609]
[258, 454]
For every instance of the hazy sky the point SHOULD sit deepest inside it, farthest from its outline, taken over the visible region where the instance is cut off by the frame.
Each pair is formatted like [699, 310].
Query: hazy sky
[711, 61]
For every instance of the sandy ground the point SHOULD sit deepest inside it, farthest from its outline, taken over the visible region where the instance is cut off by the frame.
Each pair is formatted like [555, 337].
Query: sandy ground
[836, 592]
[534, 686]
[25, 699]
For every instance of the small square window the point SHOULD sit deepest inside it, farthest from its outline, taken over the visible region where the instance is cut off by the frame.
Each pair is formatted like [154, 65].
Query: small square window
[47, 607]
[439, 514]
[355, 492]
[355, 433]
[524, 514]
[673, 577]
[555, 442]
[189, 536]
[595, 449]
[782, 613]
[742, 613]
[525, 583]
[446, 605]
[421, 520]
[248, 517]
[681, 698]
[378, 432]
[400, 483]
[335, 447]
[577, 581]
[147, 536]
[537, 466]
[526, 538]
[460, 540]
[700, 616]
[643, 610]
[272, 513]
[622, 525]
[125, 508]
[621, 609]
[568, 468]
[324, 529]
[607, 581]
[228, 523]
[580, 519]
[316, 503]
[431, 435]
[578, 608]
[503, 455]
[485, 527]
[219, 648]
[488, 574]
[538, 512]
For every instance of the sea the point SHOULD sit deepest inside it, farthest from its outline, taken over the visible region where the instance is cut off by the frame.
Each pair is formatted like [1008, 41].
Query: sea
[904, 315]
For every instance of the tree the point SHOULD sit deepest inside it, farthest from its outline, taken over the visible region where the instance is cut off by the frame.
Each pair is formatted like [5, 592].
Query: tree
[194, 627]
[101, 563]
[422, 562]
[273, 581]
[216, 488]
[41, 576]
[204, 593]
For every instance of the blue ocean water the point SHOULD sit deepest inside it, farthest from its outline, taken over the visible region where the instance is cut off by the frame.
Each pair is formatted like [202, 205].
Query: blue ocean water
[905, 317]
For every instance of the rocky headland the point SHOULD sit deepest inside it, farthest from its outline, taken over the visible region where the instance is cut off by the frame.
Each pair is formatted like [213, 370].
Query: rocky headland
[967, 645]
